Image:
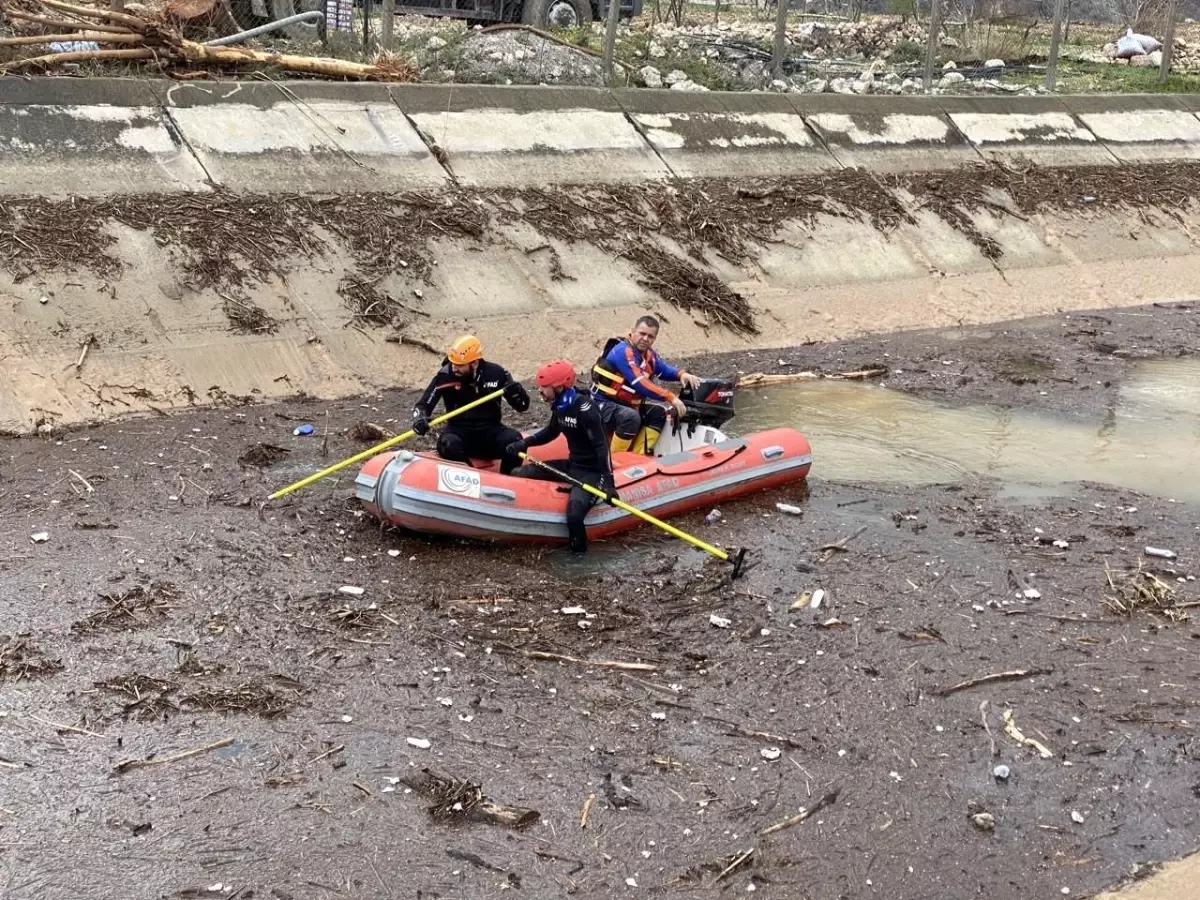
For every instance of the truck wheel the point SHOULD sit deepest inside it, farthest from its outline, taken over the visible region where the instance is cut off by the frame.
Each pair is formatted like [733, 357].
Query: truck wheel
[555, 13]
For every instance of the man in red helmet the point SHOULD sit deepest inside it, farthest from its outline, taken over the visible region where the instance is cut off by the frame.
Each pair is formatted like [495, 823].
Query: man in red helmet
[478, 433]
[573, 414]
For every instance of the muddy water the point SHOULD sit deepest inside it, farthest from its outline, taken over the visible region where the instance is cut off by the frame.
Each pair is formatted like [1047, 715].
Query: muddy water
[863, 432]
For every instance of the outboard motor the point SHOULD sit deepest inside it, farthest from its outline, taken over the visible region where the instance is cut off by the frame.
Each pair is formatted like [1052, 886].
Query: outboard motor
[711, 403]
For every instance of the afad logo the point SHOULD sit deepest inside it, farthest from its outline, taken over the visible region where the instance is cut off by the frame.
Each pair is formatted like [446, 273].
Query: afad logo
[453, 480]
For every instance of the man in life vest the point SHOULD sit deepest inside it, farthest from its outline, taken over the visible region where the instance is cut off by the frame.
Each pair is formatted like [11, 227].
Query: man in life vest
[630, 401]
[478, 433]
[576, 415]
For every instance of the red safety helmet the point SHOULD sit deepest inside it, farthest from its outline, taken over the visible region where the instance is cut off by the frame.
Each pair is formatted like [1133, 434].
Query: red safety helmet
[557, 374]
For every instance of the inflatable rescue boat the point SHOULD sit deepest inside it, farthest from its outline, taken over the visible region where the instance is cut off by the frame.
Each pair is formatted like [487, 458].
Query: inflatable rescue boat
[694, 465]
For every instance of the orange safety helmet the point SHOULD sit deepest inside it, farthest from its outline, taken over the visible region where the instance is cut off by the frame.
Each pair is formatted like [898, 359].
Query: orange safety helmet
[466, 350]
[557, 374]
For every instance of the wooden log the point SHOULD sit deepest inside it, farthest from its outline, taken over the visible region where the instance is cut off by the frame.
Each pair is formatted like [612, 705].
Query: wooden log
[63, 23]
[99, 37]
[58, 59]
[104, 15]
[332, 68]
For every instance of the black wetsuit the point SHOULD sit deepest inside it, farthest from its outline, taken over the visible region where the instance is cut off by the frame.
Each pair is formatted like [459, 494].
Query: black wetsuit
[478, 433]
[576, 415]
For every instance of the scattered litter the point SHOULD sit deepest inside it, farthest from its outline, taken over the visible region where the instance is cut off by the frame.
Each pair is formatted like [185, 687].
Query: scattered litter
[1001, 772]
[801, 601]
[1162, 554]
[659, 716]
[770, 753]
[40, 537]
[1011, 729]
[631, 882]
[303, 430]
[817, 597]
[1076, 817]
[468, 719]
[573, 611]
[393, 553]
[446, 701]
[984, 821]
[43, 299]
[719, 621]
[1031, 593]
[419, 743]
[789, 509]
[1061, 545]
[347, 719]
[351, 590]
[713, 517]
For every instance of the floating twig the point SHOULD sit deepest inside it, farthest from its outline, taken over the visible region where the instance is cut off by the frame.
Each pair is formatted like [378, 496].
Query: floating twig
[988, 728]
[559, 657]
[60, 727]
[587, 808]
[128, 764]
[82, 480]
[840, 545]
[828, 800]
[759, 379]
[1011, 729]
[1013, 675]
[737, 863]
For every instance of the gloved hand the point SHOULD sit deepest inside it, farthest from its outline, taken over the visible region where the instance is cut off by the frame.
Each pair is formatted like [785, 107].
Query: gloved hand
[680, 409]
[689, 380]
[516, 396]
[515, 448]
[608, 484]
[420, 423]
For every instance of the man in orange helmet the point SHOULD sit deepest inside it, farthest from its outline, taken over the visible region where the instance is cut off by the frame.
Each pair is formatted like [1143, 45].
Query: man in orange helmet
[477, 433]
[576, 415]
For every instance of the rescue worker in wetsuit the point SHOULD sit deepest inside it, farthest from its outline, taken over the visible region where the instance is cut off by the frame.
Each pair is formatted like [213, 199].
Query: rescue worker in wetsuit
[478, 433]
[575, 414]
[630, 401]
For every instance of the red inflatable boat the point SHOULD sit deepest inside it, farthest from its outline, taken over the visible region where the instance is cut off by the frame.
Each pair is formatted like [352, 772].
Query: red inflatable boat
[695, 465]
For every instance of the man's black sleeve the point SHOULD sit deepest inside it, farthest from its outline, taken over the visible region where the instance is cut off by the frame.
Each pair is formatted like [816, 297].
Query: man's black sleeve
[547, 433]
[429, 400]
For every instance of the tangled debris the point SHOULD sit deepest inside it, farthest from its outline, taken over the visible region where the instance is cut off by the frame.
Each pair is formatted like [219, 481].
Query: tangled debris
[247, 317]
[369, 305]
[246, 697]
[20, 659]
[262, 456]
[456, 800]
[124, 36]
[1141, 590]
[225, 241]
[134, 608]
[147, 695]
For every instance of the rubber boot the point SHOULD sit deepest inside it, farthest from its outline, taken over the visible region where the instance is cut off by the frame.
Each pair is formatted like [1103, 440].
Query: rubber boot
[618, 444]
[646, 440]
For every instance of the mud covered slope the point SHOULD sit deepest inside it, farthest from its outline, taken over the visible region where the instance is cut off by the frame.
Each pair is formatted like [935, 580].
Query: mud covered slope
[139, 303]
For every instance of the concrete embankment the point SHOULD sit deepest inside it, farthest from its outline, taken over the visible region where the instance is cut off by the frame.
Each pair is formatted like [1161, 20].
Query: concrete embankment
[79, 158]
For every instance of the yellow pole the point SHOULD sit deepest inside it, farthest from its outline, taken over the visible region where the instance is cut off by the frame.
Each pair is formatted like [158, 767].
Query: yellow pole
[378, 448]
[621, 504]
